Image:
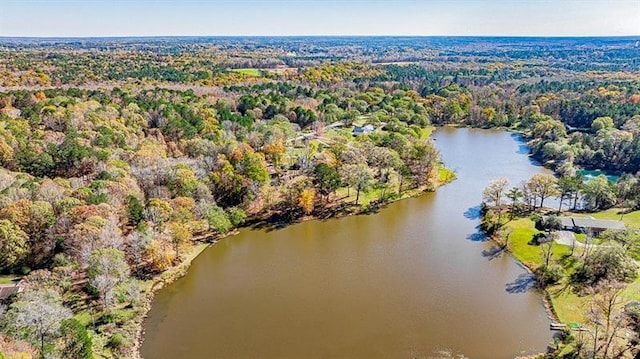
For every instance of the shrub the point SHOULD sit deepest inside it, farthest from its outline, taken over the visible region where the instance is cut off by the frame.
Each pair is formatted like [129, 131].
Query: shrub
[117, 342]
[236, 216]
[610, 263]
[548, 275]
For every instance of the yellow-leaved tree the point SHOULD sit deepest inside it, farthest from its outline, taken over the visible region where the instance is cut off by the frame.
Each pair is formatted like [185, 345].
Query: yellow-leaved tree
[306, 200]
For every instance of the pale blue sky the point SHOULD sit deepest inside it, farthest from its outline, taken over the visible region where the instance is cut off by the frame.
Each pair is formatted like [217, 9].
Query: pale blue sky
[319, 17]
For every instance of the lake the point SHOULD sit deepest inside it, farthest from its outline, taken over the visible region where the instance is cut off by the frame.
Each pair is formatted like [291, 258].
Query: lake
[415, 280]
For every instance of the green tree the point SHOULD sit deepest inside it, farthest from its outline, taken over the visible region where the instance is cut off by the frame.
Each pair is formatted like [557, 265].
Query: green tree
[550, 130]
[183, 181]
[569, 187]
[358, 176]
[76, 341]
[602, 123]
[69, 154]
[236, 216]
[326, 178]
[547, 275]
[218, 219]
[135, 210]
[421, 160]
[37, 163]
[628, 238]
[600, 193]
[514, 194]
[254, 167]
[228, 186]
[607, 263]
[551, 223]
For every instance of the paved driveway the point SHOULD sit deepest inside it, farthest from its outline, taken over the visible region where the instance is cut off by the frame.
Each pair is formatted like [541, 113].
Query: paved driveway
[566, 238]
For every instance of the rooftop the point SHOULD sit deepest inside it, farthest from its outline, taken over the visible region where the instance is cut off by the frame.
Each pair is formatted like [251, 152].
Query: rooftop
[587, 222]
[363, 129]
[7, 290]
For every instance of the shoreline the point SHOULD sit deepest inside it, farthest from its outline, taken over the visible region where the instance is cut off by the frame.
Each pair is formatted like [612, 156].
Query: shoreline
[546, 297]
[547, 303]
[171, 275]
[165, 278]
[175, 273]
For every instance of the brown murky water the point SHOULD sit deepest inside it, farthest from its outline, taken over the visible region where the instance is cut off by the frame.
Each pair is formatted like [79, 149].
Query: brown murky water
[408, 282]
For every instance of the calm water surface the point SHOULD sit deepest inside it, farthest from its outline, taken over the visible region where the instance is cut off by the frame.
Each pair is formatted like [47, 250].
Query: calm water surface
[409, 281]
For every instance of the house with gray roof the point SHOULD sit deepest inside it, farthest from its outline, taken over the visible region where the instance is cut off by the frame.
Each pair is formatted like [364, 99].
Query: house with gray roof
[8, 289]
[588, 224]
[363, 130]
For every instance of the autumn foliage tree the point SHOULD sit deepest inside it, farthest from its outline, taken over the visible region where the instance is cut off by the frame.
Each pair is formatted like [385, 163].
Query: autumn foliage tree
[14, 247]
[306, 200]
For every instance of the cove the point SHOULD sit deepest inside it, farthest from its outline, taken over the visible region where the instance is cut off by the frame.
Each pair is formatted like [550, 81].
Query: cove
[410, 281]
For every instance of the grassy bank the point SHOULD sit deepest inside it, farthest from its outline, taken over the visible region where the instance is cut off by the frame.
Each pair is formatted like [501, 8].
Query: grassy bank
[8, 279]
[442, 176]
[567, 305]
[523, 250]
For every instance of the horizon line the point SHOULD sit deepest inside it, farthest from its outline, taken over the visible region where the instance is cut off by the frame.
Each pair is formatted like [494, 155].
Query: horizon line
[311, 35]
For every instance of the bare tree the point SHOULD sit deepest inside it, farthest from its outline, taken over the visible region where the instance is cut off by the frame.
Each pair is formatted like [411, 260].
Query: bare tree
[546, 249]
[493, 194]
[38, 313]
[606, 315]
[542, 186]
[107, 269]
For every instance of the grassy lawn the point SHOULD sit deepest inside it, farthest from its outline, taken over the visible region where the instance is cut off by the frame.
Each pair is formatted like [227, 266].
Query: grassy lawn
[9, 279]
[249, 72]
[580, 237]
[569, 306]
[529, 254]
[337, 132]
[365, 197]
[632, 292]
[523, 231]
[630, 219]
[359, 121]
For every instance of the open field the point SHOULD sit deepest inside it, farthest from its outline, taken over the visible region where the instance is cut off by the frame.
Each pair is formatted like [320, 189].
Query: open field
[249, 71]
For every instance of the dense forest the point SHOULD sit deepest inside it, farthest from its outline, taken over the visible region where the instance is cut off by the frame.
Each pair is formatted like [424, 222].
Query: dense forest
[118, 155]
